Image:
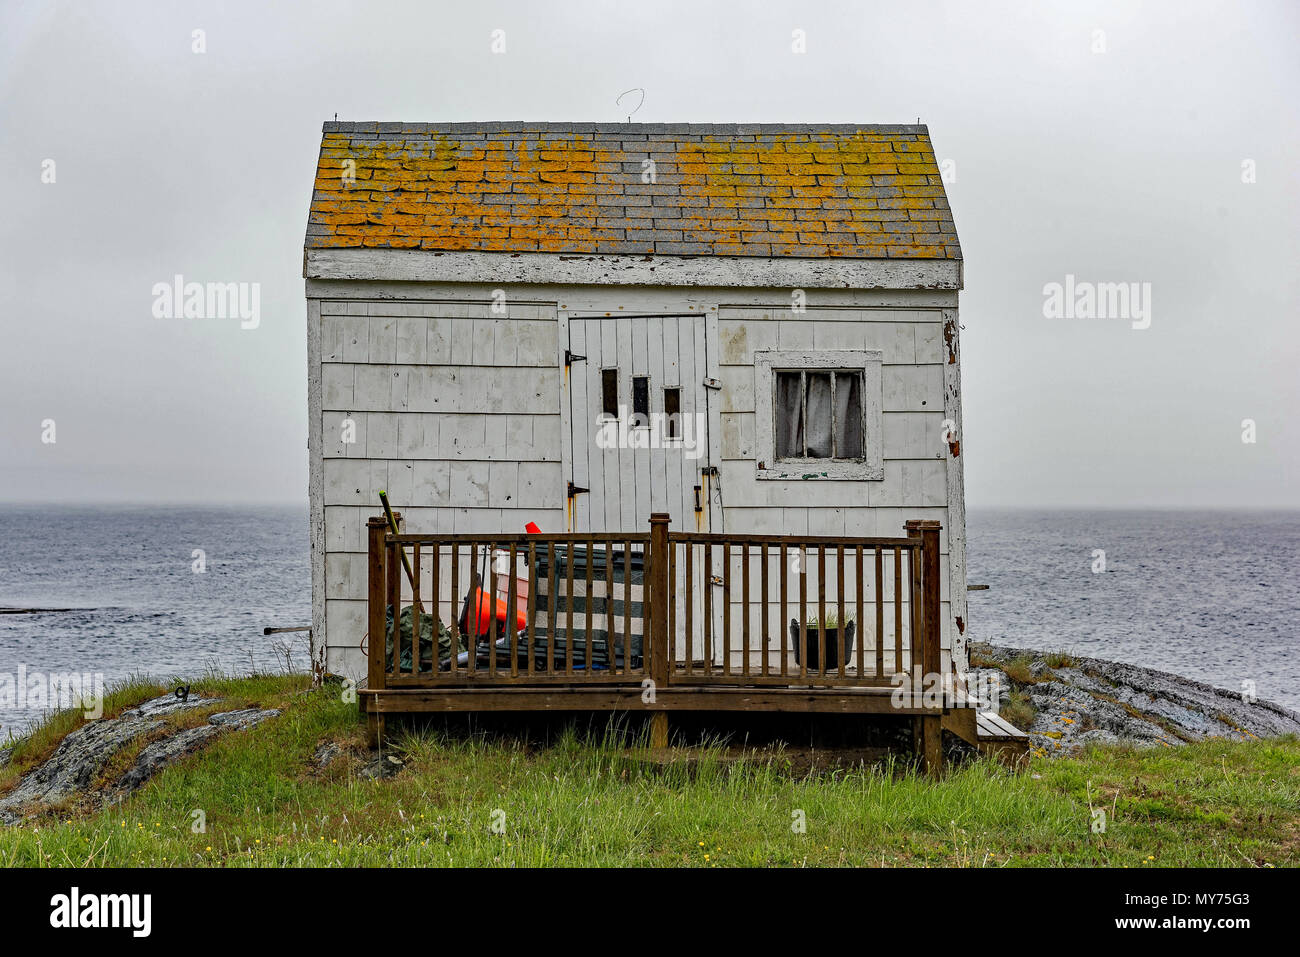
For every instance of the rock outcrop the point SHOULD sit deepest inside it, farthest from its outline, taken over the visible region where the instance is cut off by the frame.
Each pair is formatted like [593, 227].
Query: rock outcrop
[1090, 700]
[73, 771]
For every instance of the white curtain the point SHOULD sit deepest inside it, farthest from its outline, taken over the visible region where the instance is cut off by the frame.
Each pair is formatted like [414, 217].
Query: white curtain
[819, 415]
[789, 418]
[848, 416]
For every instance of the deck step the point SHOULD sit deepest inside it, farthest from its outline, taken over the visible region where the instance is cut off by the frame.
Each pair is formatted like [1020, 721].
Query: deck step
[988, 733]
[993, 727]
[1000, 739]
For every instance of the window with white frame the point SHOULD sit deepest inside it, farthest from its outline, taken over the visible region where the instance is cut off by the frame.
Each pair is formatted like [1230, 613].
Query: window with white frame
[818, 415]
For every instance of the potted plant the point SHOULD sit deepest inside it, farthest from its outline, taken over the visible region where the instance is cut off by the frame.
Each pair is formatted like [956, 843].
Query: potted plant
[839, 641]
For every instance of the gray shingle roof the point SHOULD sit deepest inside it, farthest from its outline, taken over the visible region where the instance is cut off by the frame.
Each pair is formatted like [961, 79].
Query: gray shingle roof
[736, 189]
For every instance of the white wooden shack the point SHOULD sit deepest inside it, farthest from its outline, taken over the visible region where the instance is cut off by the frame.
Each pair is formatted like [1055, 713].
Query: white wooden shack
[489, 304]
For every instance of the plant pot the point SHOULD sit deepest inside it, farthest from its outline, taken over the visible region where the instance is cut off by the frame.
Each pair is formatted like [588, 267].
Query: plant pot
[838, 644]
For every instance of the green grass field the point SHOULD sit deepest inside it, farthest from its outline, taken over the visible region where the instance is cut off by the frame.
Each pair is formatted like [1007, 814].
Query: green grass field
[576, 802]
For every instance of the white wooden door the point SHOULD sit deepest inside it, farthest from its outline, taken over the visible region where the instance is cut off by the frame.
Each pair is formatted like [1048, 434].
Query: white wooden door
[629, 378]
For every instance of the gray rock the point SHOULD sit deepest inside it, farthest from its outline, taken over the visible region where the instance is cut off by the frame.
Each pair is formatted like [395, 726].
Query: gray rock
[70, 773]
[168, 704]
[1108, 702]
[83, 754]
[157, 755]
[5, 754]
[242, 720]
[325, 754]
[381, 766]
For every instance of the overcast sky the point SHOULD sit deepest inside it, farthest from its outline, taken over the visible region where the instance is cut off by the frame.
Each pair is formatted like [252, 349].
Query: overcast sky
[1122, 165]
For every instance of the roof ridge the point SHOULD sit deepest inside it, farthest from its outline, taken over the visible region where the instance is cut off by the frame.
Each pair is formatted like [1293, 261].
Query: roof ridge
[540, 126]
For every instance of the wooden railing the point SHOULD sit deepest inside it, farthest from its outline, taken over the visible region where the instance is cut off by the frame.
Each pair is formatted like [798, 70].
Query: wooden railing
[840, 610]
[677, 608]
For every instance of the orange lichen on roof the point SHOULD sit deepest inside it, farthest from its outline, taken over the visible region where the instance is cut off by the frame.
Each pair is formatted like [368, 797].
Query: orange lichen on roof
[871, 192]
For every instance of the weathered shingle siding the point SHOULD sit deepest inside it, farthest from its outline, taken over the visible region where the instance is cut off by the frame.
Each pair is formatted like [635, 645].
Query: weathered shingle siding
[453, 407]
[868, 192]
[480, 459]
[915, 455]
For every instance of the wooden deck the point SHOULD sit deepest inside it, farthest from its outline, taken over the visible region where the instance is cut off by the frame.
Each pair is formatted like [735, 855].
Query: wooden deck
[659, 622]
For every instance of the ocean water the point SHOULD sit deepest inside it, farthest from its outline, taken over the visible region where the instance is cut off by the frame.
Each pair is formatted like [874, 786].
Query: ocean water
[1210, 595]
[138, 604]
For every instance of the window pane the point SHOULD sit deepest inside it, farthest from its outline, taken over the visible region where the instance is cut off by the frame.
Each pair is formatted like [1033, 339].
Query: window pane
[848, 415]
[819, 415]
[641, 399]
[609, 391]
[672, 412]
[789, 419]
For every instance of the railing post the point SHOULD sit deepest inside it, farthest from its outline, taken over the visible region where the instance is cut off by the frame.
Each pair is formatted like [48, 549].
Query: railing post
[916, 623]
[656, 599]
[930, 596]
[931, 742]
[377, 623]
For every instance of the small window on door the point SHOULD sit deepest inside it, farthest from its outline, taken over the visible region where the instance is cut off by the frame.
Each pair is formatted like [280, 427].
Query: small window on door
[641, 399]
[609, 392]
[672, 413]
[819, 415]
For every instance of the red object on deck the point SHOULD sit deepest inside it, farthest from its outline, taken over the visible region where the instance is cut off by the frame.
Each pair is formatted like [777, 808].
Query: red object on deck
[482, 604]
[532, 529]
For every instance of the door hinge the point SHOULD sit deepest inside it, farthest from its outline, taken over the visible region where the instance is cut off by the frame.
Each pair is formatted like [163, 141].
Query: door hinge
[571, 357]
[576, 489]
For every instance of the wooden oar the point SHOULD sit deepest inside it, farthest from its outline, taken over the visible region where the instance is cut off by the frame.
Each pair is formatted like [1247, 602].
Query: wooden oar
[406, 562]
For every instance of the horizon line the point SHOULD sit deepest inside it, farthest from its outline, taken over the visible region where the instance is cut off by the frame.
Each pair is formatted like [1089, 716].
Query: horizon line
[302, 503]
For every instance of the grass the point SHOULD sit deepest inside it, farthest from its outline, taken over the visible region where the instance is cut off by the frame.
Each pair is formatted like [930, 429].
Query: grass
[1059, 659]
[1018, 710]
[576, 801]
[1020, 669]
